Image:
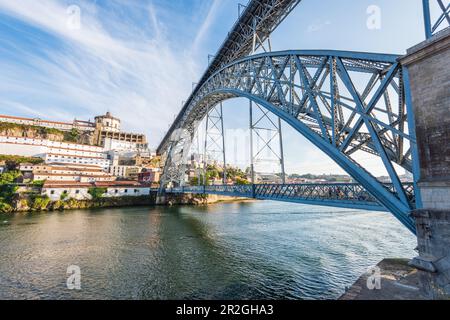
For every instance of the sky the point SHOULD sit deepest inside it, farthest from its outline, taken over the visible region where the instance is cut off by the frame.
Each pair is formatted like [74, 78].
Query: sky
[138, 58]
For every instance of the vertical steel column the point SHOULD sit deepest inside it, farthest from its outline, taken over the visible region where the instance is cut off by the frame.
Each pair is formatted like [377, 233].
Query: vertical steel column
[252, 158]
[412, 131]
[427, 18]
[257, 126]
[215, 137]
[199, 172]
[205, 155]
[283, 172]
[223, 146]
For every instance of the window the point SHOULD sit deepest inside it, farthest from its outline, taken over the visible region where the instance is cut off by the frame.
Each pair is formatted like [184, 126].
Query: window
[116, 191]
[77, 192]
[52, 192]
[126, 190]
[136, 190]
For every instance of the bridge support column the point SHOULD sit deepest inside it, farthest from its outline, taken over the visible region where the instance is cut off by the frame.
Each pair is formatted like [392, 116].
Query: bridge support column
[427, 66]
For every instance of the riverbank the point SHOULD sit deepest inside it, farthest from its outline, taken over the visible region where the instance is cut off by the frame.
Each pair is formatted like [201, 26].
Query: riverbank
[36, 203]
[398, 281]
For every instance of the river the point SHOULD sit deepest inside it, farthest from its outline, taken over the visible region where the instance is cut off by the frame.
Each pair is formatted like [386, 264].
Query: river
[236, 250]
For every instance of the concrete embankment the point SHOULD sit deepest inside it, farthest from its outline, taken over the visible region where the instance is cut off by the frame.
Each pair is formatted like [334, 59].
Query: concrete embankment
[391, 279]
[194, 199]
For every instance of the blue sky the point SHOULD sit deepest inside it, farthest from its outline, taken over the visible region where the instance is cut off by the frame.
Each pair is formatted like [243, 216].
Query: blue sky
[138, 58]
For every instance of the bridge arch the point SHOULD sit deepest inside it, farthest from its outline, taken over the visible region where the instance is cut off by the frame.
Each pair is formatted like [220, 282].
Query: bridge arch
[284, 83]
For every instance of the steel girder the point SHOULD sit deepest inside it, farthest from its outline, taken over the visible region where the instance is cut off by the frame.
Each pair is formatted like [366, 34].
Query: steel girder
[343, 102]
[260, 17]
[443, 18]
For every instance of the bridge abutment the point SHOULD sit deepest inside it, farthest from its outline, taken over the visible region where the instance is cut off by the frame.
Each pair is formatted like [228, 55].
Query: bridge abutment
[428, 68]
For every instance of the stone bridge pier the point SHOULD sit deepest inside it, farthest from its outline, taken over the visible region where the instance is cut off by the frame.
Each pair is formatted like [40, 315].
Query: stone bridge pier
[428, 64]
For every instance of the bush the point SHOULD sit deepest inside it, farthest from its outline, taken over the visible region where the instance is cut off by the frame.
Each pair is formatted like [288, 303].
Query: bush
[5, 207]
[40, 203]
[97, 193]
[64, 196]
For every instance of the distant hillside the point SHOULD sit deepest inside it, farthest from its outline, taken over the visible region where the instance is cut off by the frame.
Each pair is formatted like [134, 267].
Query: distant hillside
[36, 132]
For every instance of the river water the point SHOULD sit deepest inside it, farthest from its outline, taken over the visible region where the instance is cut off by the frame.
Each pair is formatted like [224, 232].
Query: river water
[240, 250]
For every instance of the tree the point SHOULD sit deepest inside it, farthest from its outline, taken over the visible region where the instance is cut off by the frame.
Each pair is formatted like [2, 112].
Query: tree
[72, 136]
[240, 181]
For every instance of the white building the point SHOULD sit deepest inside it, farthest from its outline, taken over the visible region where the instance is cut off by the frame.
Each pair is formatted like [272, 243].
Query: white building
[108, 123]
[124, 146]
[55, 152]
[80, 191]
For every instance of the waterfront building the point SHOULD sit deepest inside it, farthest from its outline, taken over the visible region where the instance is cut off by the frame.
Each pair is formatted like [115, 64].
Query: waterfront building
[80, 191]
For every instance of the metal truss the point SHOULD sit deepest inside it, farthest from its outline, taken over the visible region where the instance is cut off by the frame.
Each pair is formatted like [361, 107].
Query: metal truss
[215, 140]
[345, 195]
[260, 18]
[176, 159]
[443, 18]
[345, 103]
[266, 141]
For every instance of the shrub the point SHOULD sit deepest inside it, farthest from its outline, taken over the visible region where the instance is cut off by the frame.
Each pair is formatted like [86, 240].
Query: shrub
[97, 193]
[64, 196]
[40, 203]
[5, 207]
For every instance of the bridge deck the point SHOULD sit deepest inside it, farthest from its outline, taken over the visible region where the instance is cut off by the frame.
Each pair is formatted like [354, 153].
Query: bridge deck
[344, 195]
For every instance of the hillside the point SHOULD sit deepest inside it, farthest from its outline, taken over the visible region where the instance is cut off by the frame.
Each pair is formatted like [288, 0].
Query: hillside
[36, 132]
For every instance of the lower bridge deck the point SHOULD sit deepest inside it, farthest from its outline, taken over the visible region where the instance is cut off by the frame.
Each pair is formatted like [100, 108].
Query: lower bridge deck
[344, 195]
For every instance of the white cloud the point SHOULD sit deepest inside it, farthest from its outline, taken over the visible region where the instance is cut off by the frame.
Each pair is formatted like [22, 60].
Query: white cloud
[139, 78]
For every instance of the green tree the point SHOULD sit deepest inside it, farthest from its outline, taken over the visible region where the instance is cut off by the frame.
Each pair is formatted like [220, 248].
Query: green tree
[72, 136]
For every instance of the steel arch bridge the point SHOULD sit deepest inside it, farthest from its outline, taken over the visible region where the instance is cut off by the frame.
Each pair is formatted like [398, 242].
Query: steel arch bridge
[316, 93]
[345, 103]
